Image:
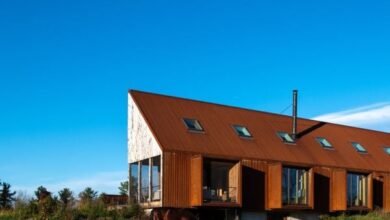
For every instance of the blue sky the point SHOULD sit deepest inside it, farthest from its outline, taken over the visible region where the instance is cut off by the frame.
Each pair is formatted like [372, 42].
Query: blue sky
[66, 67]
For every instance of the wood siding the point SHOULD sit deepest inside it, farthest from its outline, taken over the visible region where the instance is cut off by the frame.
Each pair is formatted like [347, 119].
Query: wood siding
[274, 186]
[338, 190]
[386, 193]
[196, 181]
[370, 191]
[176, 179]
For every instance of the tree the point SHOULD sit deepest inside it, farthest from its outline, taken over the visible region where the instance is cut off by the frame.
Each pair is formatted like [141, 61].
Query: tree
[88, 195]
[42, 193]
[46, 204]
[7, 197]
[66, 196]
[124, 188]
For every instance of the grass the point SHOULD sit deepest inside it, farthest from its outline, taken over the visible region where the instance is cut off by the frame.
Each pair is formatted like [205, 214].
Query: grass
[375, 215]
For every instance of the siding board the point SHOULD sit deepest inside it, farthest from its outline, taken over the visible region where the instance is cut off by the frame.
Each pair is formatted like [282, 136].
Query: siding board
[386, 193]
[274, 186]
[176, 176]
[338, 190]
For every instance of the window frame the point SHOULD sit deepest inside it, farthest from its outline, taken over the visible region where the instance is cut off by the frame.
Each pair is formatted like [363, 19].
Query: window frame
[387, 150]
[318, 139]
[278, 133]
[235, 126]
[364, 151]
[185, 120]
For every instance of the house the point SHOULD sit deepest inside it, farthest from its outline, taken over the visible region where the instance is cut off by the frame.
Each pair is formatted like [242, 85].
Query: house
[235, 163]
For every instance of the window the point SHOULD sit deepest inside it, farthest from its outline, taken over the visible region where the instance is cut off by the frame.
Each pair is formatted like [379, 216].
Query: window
[295, 186]
[285, 137]
[156, 171]
[192, 124]
[324, 143]
[144, 181]
[387, 150]
[359, 147]
[242, 131]
[134, 182]
[356, 190]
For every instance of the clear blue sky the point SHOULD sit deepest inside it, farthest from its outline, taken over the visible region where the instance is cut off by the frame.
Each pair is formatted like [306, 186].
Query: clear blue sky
[66, 67]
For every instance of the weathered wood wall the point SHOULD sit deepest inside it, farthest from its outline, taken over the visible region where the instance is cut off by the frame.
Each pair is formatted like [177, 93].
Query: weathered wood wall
[176, 179]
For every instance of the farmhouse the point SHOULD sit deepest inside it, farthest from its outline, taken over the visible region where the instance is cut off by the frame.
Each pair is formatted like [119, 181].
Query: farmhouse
[223, 162]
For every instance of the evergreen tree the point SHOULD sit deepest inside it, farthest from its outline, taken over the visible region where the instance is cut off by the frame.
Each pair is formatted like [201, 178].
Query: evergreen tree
[88, 195]
[124, 188]
[66, 196]
[7, 197]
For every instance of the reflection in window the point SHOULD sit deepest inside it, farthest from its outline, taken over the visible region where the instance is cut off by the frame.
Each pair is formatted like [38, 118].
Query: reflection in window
[156, 171]
[357, 190]
[295, 186]
[134, 182]
[144, 180]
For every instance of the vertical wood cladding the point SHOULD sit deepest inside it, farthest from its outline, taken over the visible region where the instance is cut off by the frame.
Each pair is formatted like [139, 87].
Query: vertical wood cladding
[338, 190]
[386, 193]
[176, 179]
[370, 191]
[196, 180]
[274, 186]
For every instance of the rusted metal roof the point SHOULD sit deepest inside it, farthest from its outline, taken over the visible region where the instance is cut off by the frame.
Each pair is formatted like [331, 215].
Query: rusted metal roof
[164, 116]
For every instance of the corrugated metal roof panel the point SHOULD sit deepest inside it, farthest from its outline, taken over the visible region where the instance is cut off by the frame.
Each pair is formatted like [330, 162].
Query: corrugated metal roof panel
[164, 115]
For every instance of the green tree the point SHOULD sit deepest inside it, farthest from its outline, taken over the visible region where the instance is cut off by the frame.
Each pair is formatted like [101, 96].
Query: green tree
[124, 188]
[88, 195]
[7, 197]
[41, 193]
[65, 196]
[47, 205]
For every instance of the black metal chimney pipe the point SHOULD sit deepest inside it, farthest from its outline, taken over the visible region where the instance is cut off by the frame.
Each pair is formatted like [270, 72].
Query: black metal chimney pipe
[294, 114]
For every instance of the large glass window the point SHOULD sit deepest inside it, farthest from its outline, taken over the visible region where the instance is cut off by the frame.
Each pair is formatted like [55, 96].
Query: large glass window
[134, 182]
[220, 181]
[356, 189]
[145, 180]
[156, 171]
[295, 186]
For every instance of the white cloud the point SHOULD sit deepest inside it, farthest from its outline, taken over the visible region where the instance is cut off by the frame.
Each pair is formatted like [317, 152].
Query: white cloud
[107, 182]
[376, 116]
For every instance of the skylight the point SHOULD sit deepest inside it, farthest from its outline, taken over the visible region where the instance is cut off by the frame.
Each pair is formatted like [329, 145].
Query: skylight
[359, 147]
[324, 143]
[242, 131]
[285, 137]
[192, 124]
[387, 150]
